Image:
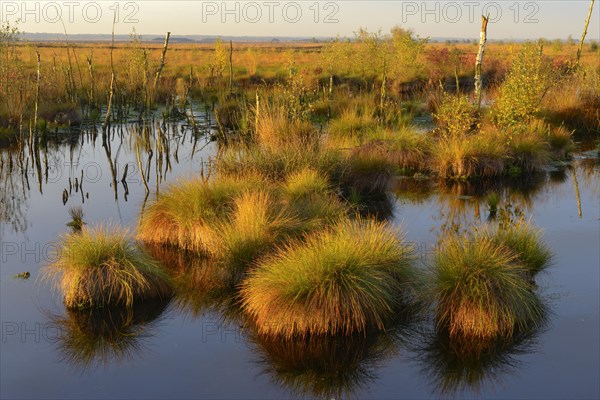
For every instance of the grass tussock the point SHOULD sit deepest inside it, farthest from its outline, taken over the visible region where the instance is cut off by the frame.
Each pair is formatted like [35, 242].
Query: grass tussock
[309, 195]
[480, 289]
[344, 280]
[479, 155]
[185, 214]
[353, 123]
[369, 170]
[529, 149]
[101, 266]
[275, 130]
[525, 241]
[275, 166]
[257, 224]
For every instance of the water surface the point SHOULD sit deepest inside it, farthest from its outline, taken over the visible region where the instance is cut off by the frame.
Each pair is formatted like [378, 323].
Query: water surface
[192, 348]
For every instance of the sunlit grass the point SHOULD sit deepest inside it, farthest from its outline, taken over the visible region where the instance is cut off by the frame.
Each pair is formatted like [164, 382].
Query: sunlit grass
[478, 155]
[101, 266]
[480, 289]
[525, 241]
[345, 279]
[185, 214]
[257, 224]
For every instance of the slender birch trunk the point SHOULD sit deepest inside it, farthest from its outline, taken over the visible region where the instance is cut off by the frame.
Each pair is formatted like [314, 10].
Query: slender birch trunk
[479, 59]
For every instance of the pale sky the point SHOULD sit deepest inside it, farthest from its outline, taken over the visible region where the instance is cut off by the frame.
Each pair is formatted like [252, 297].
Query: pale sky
[509, 19]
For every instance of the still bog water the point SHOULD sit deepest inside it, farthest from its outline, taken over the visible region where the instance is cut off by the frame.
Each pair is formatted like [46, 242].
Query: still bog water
[192, 349]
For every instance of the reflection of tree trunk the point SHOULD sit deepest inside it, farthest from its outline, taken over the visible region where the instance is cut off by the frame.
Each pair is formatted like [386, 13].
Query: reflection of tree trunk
[478, 61]
[587, 22]
[577, 194]
[477, 211]
[112, 170]
[141, 168]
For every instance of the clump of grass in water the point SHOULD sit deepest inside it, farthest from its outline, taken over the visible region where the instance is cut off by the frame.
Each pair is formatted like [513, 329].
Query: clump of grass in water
[349, 278]
[101, 266]
[257, 224]
[277, 165]
[185, 214]
[525, 241]
[309, 194]
[480, 289]
[481, 155]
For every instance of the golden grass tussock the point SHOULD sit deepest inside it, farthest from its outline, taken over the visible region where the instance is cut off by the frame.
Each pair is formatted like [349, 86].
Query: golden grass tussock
[275, 129]
[479, 155]
[310, 196]
[480, 289]
[257, 223]
[185, 214]
[346, 279]
[101, 266]
[525, 241]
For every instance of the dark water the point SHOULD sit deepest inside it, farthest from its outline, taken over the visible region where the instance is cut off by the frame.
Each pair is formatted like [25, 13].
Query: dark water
[192, 349]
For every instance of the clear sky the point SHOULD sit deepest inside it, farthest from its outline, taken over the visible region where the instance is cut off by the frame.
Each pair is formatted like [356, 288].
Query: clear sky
[509, 19]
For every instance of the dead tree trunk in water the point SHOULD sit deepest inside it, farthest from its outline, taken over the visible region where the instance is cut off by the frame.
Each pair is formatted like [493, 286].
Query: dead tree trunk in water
[587, 22]
[112, 83]
[479, 59]
[162, 64]
[37, 91]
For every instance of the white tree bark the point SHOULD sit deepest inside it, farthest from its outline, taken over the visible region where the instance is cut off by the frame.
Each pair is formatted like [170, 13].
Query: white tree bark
[479, 59]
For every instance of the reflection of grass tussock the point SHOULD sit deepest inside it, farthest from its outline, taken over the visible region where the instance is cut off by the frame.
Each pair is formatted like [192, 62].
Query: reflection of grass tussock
[346, 279]
[456, 365]
[325, 366]
[201, 285]
[480, 289]
[99, 336]
[101, 266]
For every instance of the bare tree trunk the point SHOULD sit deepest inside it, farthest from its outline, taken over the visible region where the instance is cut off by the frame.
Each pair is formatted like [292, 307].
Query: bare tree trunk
[112, 82]
[91, 89]
[37, 92]
[587, 22]
[479, 59]
[230, 68]
[162, 64]
[110, 98]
